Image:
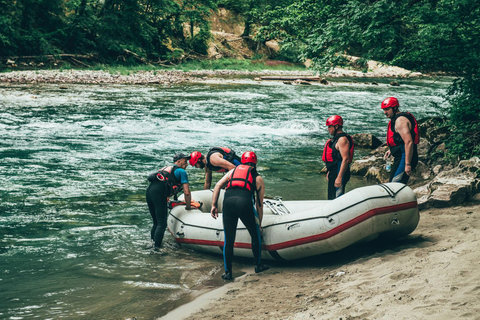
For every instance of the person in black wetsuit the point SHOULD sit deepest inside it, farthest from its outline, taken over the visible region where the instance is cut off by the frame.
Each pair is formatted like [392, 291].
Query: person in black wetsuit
[402, 138]
[167, 182]
[218, 159]
[240, 202]
[337, 155]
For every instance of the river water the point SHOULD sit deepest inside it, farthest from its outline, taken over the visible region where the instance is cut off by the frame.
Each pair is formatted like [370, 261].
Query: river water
[74, 226]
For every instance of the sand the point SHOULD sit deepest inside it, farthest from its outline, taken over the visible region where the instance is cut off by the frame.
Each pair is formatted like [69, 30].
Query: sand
[433, 273]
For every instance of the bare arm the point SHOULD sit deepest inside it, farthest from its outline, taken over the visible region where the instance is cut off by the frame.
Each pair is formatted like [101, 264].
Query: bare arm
[188, 196]
[403, 127]
[261, 194]
[342, 146]
[208, 179]
[216, 192]
[217, 160]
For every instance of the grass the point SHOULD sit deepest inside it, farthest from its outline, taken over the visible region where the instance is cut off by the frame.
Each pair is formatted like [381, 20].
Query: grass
[235, 64]
[193, 65]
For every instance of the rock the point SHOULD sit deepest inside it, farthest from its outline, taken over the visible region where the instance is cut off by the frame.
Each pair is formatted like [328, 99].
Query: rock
[436, 170]
[423, 148]
[360, 167]
[452, 187]
[421, 173]
[433, 129]
[273, 45]
[377, 174]
[324, 81]
[302, 82]
[394, 84]
[366, 140]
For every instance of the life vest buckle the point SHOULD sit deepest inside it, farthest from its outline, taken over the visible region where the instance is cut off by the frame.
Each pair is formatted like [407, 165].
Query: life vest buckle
[160, 177]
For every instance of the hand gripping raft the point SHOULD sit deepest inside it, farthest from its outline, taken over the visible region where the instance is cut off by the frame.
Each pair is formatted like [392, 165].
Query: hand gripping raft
[299, 229]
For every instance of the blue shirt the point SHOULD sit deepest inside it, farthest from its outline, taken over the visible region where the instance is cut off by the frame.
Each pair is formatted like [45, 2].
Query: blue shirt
[181, 175]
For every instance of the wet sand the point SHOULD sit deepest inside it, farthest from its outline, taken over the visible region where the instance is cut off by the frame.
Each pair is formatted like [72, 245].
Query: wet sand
[431, 274]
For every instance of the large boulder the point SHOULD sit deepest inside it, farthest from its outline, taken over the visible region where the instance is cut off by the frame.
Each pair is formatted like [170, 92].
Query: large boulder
[452, 187]
[366, 140]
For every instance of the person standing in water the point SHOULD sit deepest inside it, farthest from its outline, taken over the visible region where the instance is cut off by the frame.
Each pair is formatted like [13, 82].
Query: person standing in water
[402, 138]
[240, 202]
[337, 155]
[167, 182]
[218, 159]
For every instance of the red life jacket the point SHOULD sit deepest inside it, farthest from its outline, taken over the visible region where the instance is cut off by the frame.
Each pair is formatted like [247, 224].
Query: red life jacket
[331, 154]
[167, 174]
[242, 177]
[394, 138]
[228, 154]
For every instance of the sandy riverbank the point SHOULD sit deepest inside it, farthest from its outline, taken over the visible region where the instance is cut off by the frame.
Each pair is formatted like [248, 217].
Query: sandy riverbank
[432, 274]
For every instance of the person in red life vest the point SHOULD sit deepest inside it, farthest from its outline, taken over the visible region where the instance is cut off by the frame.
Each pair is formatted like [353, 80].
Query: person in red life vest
[167, 182]
[243, 200]
[337, 155]
[218, 159]
[402, 138]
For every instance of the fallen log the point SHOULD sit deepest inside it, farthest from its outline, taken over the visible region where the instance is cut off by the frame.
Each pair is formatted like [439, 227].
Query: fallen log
[291, 78]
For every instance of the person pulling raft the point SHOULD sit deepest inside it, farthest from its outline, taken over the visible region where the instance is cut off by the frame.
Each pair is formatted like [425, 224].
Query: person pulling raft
[243, 200]
[166, 182]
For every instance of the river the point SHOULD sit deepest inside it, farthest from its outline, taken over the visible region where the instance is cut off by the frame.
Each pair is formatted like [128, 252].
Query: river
[74, 225]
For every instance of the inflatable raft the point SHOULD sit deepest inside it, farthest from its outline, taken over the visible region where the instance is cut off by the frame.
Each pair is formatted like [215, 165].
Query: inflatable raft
[299, 229]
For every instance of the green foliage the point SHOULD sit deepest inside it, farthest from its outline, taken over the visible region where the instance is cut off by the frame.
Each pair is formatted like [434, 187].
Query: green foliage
[464, 120]
[235, 64]
[422, 35]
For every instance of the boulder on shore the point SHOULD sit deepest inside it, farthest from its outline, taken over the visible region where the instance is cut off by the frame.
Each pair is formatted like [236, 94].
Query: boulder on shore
[452, 187]
[366, 140]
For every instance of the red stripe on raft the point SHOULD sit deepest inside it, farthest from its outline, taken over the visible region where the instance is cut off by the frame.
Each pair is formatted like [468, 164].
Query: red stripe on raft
[317, 237]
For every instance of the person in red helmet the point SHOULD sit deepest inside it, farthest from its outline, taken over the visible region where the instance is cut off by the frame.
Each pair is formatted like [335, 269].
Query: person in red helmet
[337, 155]
[218, 159]
[402, 138]
[243, 200]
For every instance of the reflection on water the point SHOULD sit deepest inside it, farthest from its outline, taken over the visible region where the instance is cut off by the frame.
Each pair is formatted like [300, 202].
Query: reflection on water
[74, 240]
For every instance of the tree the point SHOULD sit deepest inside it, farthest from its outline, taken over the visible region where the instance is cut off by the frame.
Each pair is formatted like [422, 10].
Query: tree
[422, 35]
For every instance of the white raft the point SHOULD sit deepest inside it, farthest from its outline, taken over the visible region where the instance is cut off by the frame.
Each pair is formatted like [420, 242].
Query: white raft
[298, 229]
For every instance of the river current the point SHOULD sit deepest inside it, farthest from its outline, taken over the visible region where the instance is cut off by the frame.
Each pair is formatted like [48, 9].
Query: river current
[74, 225]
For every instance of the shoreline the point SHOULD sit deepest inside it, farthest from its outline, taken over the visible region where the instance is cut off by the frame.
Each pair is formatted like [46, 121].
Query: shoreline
[170, 77]
[431, 273]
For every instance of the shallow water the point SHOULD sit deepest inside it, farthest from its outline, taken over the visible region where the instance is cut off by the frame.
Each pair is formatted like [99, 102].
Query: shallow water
[74, 236]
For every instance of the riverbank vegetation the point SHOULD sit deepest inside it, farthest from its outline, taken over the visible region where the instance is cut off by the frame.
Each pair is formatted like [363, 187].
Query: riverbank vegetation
[420, 35]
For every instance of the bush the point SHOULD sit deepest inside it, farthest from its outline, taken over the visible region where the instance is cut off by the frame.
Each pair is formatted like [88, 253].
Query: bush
[464, 118]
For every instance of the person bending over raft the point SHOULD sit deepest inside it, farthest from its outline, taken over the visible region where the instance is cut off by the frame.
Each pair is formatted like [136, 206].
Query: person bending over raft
[337, 155]
[239, 202]
[167, 182]
[218, 159]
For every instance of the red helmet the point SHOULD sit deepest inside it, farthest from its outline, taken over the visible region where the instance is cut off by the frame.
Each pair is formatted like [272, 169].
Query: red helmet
[249, 157]
[334, 120]
[194, 157]
[390, 102]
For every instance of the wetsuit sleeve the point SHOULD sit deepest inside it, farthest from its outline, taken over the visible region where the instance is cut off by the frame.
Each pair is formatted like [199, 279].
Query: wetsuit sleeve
[181, 176]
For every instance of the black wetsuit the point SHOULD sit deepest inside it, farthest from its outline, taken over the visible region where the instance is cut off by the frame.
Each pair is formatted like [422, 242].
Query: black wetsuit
[157, 194]
[238, 203]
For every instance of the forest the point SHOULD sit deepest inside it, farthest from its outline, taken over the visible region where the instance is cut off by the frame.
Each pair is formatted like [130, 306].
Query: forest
[440, 36]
